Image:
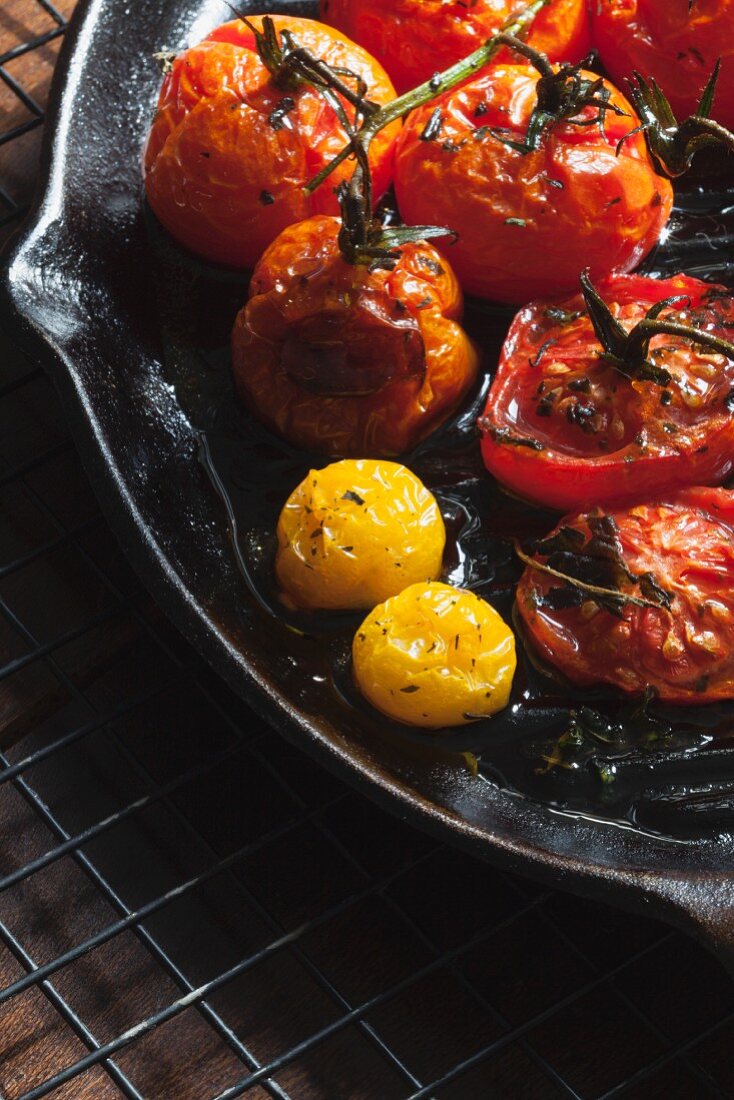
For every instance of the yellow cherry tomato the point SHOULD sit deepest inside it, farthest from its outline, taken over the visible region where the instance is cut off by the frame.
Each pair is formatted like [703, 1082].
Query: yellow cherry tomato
[435, 656]
[355, 533]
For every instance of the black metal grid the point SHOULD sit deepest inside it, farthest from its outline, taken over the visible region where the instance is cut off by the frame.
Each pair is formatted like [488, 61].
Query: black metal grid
[256, 878]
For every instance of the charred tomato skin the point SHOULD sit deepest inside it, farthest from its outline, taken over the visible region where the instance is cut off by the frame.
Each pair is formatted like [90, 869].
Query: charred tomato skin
[564, 428]
[416, 38]
[345, 360]
[222, 173]
[529, 223]
[686, 654]
[673, 41]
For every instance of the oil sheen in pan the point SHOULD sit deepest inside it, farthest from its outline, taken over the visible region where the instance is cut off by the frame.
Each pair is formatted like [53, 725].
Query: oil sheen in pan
[660, 769]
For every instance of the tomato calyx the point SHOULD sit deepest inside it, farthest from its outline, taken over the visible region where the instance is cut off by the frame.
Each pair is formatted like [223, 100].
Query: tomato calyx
[628, 351]
[366, 239]
[292, 66]
[673, 144]
[561, 93]
[592, 569]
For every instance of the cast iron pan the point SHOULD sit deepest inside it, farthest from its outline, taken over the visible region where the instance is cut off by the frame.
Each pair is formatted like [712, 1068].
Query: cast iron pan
[133, 334]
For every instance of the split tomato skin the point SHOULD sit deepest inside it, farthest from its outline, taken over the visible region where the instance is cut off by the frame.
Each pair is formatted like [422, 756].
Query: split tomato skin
[564, 428]
[686, 654]
[225, 176]
[673, 41]
[344, 360]
[416, 38]
[529, 223]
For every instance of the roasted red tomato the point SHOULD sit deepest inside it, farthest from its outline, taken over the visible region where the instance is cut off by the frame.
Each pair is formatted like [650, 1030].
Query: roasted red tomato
[345, 359]
[529, 218]
[662, 612]
[675, 41]
[569, 426]
[232, 145]
[415, 38]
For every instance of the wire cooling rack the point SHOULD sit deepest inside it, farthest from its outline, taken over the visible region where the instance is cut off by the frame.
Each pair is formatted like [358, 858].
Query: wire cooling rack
[190, 908]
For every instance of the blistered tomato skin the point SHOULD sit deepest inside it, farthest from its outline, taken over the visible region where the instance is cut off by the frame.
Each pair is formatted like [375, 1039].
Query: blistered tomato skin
[346, 360]
[686, 653]
[529, 223]
[564, 428]
[223, 173]
[416, 38]
[435, 656]
[675, 42]
[355, 533]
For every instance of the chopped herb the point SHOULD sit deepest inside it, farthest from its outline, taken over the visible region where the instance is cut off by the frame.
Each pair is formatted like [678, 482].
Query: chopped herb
[431, 265]
[433, 127]
[166, 58]
[516, 221]
[562, 317]
[581, 416]
[535, 361]
[410, 689]
[266, 198]
[594, 566]
[351, 495]
[505, 436]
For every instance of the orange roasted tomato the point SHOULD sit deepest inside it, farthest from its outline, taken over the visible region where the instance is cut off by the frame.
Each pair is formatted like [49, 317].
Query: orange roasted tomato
[231, 146]
[662, 616]
[677, 42]
[416, 38]
[345, 359]
[569, 427]
[530, 221]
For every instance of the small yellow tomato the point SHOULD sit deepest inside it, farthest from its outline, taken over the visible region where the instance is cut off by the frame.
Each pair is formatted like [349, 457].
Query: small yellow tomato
[435, 656]
[355, 533]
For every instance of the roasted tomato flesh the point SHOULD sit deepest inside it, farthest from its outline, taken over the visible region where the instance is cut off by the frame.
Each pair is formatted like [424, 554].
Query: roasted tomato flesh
[563, 426]
[416, 38]
[529, 222]
[684, 651]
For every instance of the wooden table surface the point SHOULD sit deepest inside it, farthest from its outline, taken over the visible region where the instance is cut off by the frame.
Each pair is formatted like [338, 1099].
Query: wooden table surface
[413, 958]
